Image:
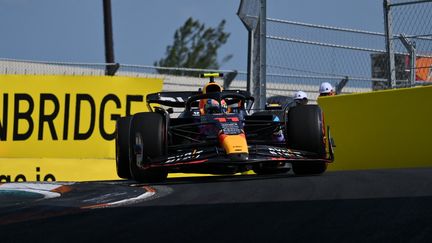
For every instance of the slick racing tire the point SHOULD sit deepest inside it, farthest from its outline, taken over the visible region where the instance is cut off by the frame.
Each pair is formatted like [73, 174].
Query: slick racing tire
[148, 140]
[122, 147]
[305, 131]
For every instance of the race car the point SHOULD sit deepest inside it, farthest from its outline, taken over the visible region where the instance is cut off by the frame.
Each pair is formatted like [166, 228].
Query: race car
[217, 132]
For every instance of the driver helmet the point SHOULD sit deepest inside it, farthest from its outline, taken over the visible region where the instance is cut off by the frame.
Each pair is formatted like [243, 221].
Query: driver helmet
[212, 87]
[212, 106]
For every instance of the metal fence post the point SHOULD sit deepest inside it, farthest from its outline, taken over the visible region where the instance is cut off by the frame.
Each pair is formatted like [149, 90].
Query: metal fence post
[250, 72]
[259, 54]
[249, 14]
[410, 46]
[111, 66]
[255, 70]
[389, 44]
[258, 70]
[413, 64]
[263, 51]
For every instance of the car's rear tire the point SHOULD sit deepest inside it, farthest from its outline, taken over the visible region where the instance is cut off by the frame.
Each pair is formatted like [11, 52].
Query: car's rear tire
[148, 140]
[122, 147]
[305, 131]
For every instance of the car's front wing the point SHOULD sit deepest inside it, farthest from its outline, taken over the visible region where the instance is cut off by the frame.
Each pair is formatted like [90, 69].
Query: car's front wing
[216, 155]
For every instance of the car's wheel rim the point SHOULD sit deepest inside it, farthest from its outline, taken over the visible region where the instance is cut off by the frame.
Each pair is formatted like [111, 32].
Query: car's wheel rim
[139, 148]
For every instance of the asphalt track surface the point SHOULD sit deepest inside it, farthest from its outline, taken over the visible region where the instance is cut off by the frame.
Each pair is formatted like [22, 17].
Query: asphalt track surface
[351, 206]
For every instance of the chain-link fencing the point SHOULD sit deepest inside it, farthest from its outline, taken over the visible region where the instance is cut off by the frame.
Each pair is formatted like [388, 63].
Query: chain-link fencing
[300, 56]
[175, 79]
[307, 55]
[409, 24]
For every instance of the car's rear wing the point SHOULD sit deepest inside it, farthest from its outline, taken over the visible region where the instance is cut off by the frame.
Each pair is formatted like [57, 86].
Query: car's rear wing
[179, 98]
[171, 99]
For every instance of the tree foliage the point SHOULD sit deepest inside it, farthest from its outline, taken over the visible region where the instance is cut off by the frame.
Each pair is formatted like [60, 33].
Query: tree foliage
[195, 46]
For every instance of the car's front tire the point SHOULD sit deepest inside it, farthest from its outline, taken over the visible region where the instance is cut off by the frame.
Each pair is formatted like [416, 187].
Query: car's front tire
[122, 147]
[148, 140]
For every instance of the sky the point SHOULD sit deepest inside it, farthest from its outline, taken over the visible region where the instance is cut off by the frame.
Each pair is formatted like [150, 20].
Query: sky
[72, 30]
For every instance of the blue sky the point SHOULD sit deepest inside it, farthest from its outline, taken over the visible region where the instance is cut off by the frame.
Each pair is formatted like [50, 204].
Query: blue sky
[72, 30]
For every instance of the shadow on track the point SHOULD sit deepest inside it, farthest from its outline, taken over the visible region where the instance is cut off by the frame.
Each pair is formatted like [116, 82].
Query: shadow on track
[371, 220]
[351, 206]
[219, 178]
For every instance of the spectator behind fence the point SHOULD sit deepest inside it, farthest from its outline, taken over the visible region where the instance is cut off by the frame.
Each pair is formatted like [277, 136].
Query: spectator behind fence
[326, 89]
[300, 98]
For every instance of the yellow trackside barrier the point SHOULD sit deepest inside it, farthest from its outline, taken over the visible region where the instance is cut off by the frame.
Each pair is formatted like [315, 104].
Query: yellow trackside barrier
[383, 129]
[66, 116]
[64, 126]
[63, 169]
[56, 169]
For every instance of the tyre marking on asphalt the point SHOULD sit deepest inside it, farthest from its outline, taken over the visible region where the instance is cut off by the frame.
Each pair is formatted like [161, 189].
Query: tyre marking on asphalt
[149, 192]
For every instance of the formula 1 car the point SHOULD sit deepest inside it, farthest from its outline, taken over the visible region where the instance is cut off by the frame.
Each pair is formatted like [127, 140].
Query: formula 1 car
[217, 133]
